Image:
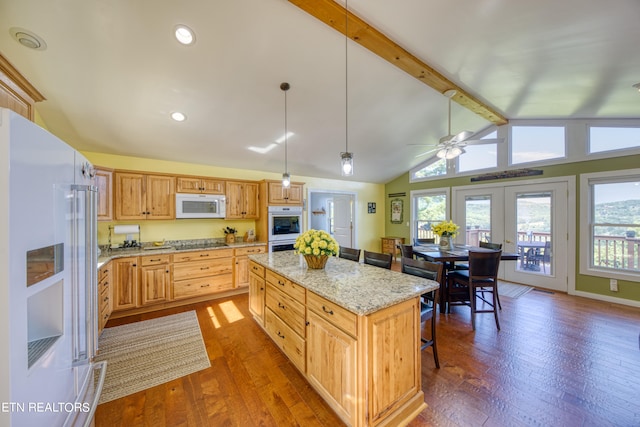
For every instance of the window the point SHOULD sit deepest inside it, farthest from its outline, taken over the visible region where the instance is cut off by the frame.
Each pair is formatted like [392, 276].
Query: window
[613, 138]
[612, 200]
[482, 156]
[434, 167]
[428, 207]
[535, 143]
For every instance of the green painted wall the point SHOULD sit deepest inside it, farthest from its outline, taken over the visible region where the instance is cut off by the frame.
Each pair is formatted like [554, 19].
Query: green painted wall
[596, 285]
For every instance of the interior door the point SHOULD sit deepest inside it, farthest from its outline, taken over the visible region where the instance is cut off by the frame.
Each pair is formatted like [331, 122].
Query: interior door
[536, 228]
[343, 219]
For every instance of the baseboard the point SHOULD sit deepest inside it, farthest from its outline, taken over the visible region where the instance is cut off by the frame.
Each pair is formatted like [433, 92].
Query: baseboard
[606, 298]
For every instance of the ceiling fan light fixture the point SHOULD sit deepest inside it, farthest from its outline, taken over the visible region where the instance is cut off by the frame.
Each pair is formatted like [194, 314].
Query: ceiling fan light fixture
[346, 161]
[637, 86]
[449, 153]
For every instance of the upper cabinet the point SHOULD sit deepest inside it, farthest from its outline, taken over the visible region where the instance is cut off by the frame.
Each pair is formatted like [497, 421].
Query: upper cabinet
[279, 195]
[242, 200]
[197, 185]
[142, 196]
[104, 182]
[16, 93]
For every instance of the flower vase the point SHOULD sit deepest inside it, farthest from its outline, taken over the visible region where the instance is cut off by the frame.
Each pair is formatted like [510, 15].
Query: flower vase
[316, 262]
[446, 243]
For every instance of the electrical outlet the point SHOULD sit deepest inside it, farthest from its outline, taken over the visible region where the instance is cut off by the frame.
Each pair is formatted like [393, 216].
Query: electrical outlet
[613, 285]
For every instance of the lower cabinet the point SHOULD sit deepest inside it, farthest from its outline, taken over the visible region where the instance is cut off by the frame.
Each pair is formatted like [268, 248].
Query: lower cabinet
[105, 305]
[241, 259]
[125, 281]
[201, 273]
[367, 368]
[155, 279]
[257, 291]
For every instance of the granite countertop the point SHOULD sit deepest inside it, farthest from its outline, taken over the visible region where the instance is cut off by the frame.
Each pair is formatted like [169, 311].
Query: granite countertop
[174, 247]
[360, 288]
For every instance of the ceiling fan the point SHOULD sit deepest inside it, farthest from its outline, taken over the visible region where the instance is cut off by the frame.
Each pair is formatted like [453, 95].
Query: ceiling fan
[451, 146]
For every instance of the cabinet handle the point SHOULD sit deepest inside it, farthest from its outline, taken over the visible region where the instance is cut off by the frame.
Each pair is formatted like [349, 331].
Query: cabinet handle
[155, 260]
[204, 255]
[280, 334]
[205, 286]
[167, 271]
[204, 268]
[134, 265]
[281, 283]
[284, 307]
[327, 311]
[105, 299]
[262, 289]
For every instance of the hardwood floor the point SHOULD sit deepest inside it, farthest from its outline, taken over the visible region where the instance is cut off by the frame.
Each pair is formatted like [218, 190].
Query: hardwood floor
[558, 361]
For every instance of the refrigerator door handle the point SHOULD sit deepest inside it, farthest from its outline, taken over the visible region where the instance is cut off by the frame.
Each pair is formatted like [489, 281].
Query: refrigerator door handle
[84, 289]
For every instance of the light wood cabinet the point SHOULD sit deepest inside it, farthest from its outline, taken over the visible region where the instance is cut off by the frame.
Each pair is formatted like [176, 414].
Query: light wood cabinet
[241, 260]
[105, 305]
[197, 185]
[140, 196]
[366, 367]
[125, 281]
[284, 317]
[280, 195]
[155, 279]
[390, 245]
[104, 182]
[257, 291]
[242, 200]
[16, 93]
[201, 273]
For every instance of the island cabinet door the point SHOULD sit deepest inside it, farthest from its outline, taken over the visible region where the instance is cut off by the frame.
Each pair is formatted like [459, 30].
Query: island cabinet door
[257, 289]
[331, 365]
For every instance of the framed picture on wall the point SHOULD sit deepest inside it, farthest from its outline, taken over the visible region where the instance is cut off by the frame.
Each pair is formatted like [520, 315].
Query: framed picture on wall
[396, 211]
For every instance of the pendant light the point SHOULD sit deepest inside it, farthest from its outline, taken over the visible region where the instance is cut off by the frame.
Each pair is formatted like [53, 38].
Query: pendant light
[286, 178]
[346, 158]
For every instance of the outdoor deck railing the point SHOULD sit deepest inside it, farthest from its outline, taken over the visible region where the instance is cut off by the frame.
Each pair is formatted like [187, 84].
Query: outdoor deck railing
[609, 251]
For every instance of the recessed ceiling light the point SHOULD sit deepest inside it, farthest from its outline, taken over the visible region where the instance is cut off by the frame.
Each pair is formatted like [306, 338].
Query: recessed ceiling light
[185, 35]
[27, 38]
[178, 116]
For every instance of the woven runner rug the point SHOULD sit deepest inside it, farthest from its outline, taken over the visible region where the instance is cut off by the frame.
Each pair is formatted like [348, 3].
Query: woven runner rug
[145, 354]
[510, 290]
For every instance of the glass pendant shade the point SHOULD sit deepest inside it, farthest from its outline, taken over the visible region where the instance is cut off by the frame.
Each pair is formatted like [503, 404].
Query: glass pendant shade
[286, 179]
[449, 153]
[347, 163]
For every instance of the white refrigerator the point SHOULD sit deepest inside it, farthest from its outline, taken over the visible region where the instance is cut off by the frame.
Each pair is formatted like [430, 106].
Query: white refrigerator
[48, 285]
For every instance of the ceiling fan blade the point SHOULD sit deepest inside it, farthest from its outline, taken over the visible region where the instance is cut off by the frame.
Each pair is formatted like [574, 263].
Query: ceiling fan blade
[462, 136]
[484, 141]
[433, 150]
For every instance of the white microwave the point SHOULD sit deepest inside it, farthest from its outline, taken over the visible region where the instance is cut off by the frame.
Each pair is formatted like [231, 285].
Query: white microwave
[200, 206]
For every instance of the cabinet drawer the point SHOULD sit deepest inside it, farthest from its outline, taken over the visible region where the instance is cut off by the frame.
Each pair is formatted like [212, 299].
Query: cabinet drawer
[195, 269]
[342, 318]
[256, 269]
[201, 255]
[155, 260]
[103, 272]
[288, 309]
[251, 250]
[285, 285]
[202, 286]
[289, 342]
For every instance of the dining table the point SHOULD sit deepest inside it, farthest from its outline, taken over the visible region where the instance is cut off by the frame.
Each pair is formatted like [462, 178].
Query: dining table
[449, 257]
[527, 248]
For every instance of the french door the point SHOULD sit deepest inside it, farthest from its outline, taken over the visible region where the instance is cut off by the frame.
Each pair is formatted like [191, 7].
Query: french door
[528, 219]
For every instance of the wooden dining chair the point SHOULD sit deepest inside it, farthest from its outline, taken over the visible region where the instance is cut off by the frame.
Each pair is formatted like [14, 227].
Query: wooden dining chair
[429, 301]
[406, 251]
[466, 287]
[349, 253]
[378, 259]
[418, 242]
[465, 266]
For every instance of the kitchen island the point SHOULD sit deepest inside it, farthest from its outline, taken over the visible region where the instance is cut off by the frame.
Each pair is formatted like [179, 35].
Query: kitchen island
[353, 330]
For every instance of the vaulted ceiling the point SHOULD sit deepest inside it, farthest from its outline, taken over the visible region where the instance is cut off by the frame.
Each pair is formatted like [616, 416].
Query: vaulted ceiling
[112, 73]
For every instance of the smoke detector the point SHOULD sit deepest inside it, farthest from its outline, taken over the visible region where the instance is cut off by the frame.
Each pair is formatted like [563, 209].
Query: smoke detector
[27, 38]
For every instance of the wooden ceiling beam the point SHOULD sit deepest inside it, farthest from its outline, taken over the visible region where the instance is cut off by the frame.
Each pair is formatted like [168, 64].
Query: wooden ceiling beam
[333, 14]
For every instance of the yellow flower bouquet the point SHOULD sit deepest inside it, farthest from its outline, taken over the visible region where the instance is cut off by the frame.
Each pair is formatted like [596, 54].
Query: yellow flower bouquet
[316, 246]
[445, 228]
